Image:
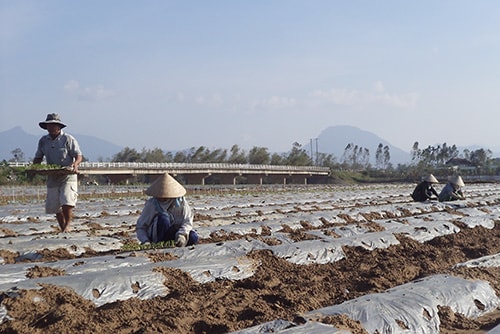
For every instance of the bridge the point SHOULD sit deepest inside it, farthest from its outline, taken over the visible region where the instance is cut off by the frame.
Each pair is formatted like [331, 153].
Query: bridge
[199, 173]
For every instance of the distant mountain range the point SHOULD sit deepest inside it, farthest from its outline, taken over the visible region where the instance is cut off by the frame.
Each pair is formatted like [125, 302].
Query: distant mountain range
[94, 149]
[332, 140]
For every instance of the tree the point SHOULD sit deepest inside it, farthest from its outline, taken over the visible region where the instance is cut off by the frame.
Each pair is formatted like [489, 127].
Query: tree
[127, 155]
[237, 156]
[365, 158]
[18, 155]
[466, 154]
[387, 156]
[258, 156]
[415, 153]
[155, 155]
[277, 159]
[197, 155]
[219, 155]
[180, 156]
[327, 160]
[433, 156]
[348, 155]
[298, 156]
[355, 157]
[453, 152]
[169, 156]
[379, 156]
[428, 156]
[480, 157]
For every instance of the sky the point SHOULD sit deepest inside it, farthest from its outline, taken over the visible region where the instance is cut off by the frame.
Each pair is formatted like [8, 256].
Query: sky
[181, 74]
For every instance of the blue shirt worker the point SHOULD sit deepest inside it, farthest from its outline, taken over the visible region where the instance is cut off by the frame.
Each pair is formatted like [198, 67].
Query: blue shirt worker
[60, 148]
[453, 190]
[166, 215]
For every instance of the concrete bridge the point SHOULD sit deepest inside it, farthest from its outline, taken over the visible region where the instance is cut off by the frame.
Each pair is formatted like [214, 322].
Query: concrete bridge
[199, 173]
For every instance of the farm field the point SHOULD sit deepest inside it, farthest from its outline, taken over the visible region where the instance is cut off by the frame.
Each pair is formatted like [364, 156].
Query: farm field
[280, 259]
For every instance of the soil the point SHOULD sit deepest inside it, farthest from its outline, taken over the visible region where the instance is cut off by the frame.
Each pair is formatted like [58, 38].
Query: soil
[277, 290]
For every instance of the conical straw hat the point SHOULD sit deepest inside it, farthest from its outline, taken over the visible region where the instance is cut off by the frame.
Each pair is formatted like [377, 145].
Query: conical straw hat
[457, 180]
[431, 179]
[166, 187]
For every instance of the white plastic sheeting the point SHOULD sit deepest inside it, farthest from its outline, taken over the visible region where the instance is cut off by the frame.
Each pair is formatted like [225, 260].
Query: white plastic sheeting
[310, 251]
[106, 279]
[423, 228]
[414, 305]
[409, 308]
[74, 243]
[285, 327]
[13, 273]
[485, 261]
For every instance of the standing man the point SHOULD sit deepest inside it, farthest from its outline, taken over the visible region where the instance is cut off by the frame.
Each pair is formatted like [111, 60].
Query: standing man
[61, 149]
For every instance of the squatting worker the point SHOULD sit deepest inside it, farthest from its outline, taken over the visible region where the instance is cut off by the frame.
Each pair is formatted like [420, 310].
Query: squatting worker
[166, 215]
[59, 148]
[453, 189]
[424, 190]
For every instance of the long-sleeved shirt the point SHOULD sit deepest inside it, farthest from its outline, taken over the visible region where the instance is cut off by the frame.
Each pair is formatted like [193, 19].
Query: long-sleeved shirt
[423, 191]
[449, 193]
[177, 207]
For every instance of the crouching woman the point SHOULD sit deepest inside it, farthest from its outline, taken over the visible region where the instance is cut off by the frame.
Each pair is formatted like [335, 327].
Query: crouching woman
[166, 215]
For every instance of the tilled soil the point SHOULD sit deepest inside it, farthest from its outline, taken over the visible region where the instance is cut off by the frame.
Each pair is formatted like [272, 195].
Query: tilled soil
[278, 290]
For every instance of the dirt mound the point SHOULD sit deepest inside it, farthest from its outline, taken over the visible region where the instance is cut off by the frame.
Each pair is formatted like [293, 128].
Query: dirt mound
[278, 290]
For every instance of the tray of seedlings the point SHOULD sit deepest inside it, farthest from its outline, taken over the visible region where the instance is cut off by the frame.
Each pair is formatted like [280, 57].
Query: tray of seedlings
[48, 169]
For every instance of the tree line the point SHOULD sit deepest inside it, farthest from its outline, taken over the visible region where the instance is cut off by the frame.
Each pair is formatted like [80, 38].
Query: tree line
[355, 158]
[297, 156]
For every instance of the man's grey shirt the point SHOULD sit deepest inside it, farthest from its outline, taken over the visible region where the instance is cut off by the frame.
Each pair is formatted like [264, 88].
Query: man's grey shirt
[60, 151]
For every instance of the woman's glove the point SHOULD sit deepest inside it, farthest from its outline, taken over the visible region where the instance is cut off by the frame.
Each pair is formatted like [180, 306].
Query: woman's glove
[180, 240]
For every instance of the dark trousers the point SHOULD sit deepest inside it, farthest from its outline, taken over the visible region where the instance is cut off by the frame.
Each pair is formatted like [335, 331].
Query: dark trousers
[166, 230]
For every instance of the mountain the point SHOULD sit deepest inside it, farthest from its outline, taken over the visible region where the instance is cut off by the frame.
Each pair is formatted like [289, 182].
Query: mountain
[334, 139]
[94, 149]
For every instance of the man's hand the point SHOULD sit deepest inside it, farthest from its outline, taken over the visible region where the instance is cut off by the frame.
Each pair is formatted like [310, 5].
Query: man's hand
[77, 162]
[180, 240]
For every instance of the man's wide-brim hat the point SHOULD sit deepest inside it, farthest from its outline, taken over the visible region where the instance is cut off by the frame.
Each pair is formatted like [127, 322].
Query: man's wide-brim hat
[52, 119]
[166, 186]
[456, 180]
[431, 179]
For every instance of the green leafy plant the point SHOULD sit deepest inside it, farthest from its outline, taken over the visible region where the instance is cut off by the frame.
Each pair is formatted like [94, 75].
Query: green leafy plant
[43, 167]
[133, 246]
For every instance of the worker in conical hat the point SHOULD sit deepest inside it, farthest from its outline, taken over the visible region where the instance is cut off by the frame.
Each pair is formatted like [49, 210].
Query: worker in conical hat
[166, 215]
[453, 189]
[166, 186]
[424, 190]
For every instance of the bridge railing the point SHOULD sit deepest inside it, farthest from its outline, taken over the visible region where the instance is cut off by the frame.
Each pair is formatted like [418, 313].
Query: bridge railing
[187, 166]
[215, 166]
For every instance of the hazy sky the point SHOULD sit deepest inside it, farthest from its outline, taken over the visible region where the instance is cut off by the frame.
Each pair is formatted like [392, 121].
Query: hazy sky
[178, 74]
